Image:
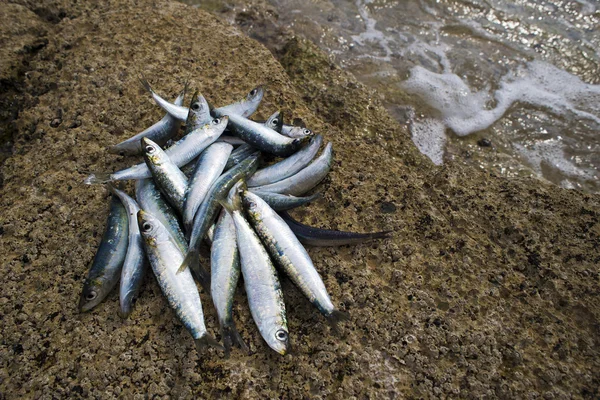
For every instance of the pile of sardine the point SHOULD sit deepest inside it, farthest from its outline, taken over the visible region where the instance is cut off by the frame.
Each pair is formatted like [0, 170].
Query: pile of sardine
[209, 183]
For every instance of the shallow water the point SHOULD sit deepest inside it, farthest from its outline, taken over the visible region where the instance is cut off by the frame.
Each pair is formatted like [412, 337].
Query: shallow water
[509, 86]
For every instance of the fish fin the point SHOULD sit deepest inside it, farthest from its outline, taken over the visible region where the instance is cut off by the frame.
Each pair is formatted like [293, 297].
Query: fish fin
[124, 314]
[206, 341]
[232, 203]
[145, 83]
[335, 318]
[97, 177]
[186, 86]
[192, 256]
[232, 336]
[201, 275]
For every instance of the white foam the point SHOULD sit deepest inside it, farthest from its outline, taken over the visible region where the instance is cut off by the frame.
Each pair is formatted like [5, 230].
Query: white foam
[551, 154]
[537, 83]
[430, 138]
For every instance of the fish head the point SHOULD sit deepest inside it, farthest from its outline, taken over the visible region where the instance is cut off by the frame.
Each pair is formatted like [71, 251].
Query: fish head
[151, 229]
[275, 122]
[198, 114]
[94, 291]
[152, 152]
[278, 339]
[255, 95]
[217, 126]
[299, 132]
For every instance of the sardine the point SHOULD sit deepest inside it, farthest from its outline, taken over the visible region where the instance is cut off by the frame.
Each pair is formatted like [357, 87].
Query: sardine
[288, 166]
[179, 289]
[160, 133]
[306, 179]
[105, 270]
[225, 273]
[281, 202]
[263, 289]
[134, 266]
[262, 137]
[181, 153]
[209, 167]
[245, 107]
[290, 255]
[327, 237]
[168, 177]
[207, 212]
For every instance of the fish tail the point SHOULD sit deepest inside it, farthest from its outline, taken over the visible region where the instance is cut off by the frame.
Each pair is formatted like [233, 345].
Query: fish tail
[116, 149]
[335, 318]
[205, 341]
[125, 312]
[232, 336]
[97, 177]
[381, 235]
[201, 275]
[191, 258]
[233, 203]
[145, 83]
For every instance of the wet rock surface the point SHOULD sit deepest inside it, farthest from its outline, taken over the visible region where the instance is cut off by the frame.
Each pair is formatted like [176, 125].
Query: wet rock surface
[488, 287]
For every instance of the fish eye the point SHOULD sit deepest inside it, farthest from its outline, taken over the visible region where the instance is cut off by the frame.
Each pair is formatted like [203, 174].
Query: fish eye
[216, 121]
[91, 295]
[275, 121]
[196, 106]
[281, 335]
[307, 131]
[149, 149]
[146, 227]
[252, 92]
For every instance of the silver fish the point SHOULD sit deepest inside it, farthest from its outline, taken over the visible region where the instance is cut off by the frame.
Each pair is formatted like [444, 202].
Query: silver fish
[245, 107]
[169, 178]
[134, 266]
[306, 179]
[179, 289]
[181, 153]
[160, 132]
[288, 166]
[106, 268]
[262, 137]
[207, 212]
[225, 273]
[209, 167]
[263, 289]
[290, 255]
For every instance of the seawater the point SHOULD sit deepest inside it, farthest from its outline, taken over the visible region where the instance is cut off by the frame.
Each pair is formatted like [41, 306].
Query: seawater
[508, 86]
